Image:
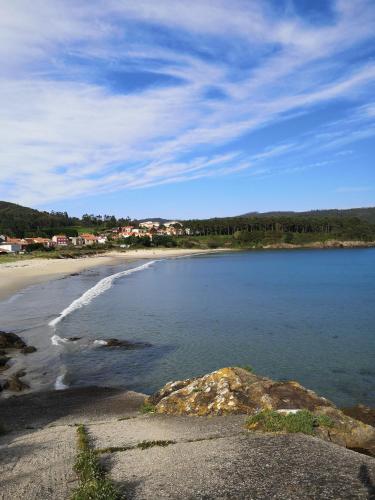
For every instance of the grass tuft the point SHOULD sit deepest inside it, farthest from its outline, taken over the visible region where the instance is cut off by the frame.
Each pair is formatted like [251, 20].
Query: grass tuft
[147, 408]
[144, 445]
[302, 421]
[93, 482]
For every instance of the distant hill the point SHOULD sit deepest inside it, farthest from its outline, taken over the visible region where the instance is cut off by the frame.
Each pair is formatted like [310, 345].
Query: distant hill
[366, 213]
[16, 220]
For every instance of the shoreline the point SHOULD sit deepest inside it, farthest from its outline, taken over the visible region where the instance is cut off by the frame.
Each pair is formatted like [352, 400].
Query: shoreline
[18, 275]
[15, 276]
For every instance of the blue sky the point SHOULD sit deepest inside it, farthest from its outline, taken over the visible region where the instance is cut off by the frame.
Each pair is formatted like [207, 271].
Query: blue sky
[187, 108]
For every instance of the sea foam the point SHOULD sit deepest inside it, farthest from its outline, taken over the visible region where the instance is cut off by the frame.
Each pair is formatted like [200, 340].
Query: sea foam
[85, 299]
[59, 384]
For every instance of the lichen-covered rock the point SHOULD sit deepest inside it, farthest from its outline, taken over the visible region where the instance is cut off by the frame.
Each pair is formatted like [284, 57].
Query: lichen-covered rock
[235, 390]
[362, 413]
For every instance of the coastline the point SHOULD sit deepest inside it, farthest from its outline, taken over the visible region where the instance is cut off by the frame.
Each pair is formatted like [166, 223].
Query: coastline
[18, 275]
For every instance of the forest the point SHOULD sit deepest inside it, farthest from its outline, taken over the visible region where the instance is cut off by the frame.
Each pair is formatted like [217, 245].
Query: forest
[252, 228]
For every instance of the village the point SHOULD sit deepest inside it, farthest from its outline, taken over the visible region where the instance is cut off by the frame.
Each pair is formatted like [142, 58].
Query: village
[119, 235]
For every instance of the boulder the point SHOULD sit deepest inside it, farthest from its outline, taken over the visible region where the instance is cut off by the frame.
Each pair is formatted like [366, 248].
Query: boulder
[125, 344]
[11, 341]
[237, 391]
[28, 349]
[362, 413]
[14, 384]
[3, 362]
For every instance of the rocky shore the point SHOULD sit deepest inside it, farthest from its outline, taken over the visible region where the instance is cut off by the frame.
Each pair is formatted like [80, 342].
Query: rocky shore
[198, 438]
[11, 345]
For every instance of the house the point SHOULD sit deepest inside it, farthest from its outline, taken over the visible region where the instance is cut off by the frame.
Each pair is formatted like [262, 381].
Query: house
[149, 224]
[102, 240]
[46, 242]
[10, 247]
[77, 241]
[17, 241]
[60, 240]
[2, 238]
[125, 231]
[89, 239]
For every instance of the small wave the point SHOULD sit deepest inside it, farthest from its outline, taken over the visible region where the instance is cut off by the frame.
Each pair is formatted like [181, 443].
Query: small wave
[57, 340]
[100, 342]
[101, 287]
[59, 384]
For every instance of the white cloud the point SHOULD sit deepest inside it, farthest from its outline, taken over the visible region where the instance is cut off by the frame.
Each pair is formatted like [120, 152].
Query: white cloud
[66, 132]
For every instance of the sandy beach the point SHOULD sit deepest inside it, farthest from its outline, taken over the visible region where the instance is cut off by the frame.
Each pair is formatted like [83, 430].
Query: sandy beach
[18, 275]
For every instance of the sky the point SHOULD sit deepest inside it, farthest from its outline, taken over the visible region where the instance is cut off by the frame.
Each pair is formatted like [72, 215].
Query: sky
[187, 108]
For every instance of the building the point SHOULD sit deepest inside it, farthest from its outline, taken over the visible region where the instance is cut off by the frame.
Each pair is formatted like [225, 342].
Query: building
[17, 241]
[46, 242]
[60, 240]
[89, 239]
[149, 224]
[10, 247]
[77, 241]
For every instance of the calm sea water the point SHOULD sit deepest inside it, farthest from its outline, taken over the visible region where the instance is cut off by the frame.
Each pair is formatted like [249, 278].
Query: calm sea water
[307, 315]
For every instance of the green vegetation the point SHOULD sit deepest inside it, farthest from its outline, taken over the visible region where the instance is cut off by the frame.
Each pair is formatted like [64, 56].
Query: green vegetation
[256, 230]
[93, 482]
[144, 445]
[147, 408]
[302, 421]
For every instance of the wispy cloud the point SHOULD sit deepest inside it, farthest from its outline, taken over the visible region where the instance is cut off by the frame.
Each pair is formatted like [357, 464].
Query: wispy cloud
[112, 95]
[353, 189]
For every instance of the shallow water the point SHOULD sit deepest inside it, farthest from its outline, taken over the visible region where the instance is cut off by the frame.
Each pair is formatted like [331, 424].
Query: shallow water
[307, 315]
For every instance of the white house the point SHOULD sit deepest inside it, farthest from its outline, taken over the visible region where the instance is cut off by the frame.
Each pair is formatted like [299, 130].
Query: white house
[10, 247]
[149, 224]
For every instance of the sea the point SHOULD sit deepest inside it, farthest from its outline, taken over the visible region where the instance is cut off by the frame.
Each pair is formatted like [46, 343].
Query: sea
[305, 315]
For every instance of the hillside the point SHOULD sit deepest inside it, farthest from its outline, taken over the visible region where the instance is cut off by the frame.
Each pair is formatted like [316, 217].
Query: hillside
[366, 213]
[16, 220]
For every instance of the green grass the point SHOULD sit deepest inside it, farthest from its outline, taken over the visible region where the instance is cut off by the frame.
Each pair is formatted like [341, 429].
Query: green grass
[303, 421]
[144, 445]
[147, 408]
[94, 484]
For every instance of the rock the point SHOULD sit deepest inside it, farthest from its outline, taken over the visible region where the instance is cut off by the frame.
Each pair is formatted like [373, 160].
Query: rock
[235, 391]
[125, 344]
[11, 341]
[28, 349]
[74, 339]
[3, 362]
[14, 384]
[362, 413]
